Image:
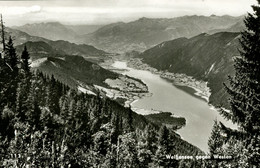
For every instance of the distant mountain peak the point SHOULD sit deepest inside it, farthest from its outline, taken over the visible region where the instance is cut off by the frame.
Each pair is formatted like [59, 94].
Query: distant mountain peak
[143, 19]
[54, 23]
[146, 32]
[49, 30]
[213, 15]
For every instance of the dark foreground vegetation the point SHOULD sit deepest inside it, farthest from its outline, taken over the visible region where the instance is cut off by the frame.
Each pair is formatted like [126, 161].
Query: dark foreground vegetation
[243, 90]
[168, 119]
[45, 123]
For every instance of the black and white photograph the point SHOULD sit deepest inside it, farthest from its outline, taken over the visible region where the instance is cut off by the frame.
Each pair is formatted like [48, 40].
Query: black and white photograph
[129, 83]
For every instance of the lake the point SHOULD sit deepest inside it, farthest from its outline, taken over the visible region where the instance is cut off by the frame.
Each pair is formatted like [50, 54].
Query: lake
[166, 97]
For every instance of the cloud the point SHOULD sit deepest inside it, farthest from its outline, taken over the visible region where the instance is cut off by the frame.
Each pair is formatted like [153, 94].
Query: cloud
[107, 11]
[19, 10]
[35, 9]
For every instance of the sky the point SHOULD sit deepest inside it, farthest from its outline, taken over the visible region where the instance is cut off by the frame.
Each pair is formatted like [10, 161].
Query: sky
[19, 12]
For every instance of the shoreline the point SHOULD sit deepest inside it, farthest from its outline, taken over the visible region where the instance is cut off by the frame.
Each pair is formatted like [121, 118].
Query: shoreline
[161, 117]
[191, 91]
[185, 83]
[125, 87]
[201, 90]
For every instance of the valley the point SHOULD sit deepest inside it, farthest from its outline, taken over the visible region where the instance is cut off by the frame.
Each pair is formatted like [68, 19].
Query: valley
[94, 71]
[89, 77]
[138, 35]
[205, 57]
[135, 84]
[172, 83]
[201, 90]
[166, 97]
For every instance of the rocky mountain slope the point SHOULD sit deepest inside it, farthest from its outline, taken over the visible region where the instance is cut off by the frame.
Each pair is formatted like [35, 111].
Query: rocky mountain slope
[206, 57]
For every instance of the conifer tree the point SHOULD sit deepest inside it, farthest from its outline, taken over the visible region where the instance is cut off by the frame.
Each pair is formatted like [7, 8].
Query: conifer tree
[34, 113]
[151, 138]
[25, 60]
[165, 147]
[3, 32]
[64, 110]
[5, 79]
[164, 139]
[20, 113]
[115, 132]
[244, 92]
[10, 55]
[127, 152]
[216, 141]
[11, 62]
[146, 146]
[130, 127]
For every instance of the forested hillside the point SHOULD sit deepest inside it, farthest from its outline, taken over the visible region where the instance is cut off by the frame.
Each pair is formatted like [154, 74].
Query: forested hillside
[74, 65]
[40, 49]
[243, 88]
[44, 123]
[206, 57]
[39, 46]
[75, 71]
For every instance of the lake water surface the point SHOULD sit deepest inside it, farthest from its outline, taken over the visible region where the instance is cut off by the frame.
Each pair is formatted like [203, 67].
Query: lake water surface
[166, 97]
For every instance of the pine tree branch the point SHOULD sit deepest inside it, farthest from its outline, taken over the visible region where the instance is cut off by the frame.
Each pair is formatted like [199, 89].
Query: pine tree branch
[232, 133]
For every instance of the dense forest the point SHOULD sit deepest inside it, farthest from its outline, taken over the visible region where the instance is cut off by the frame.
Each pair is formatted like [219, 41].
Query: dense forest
[45, 123]
[243, 89]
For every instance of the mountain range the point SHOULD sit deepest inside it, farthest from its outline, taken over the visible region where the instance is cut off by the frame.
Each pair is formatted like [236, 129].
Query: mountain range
[21, 37]
[84, 29]
[205, 57]
[136, 35]
[57, 31]
[74, 71]
[49, 30]
[72, 64]
[199, 46]
[39, 46]
[145, 33]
